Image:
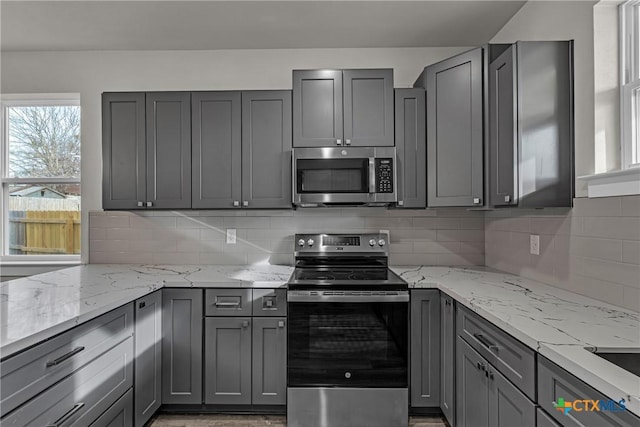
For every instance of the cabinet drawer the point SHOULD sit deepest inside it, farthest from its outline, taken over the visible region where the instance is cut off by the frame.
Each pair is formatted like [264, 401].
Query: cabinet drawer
[555, 383]
[119, 415]
[512, 358]
[29, 373]
[82, 397]
[269, 302]
[227, 302]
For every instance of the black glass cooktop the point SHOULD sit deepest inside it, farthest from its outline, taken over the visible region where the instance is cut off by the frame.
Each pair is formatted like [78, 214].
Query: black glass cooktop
[344, 277]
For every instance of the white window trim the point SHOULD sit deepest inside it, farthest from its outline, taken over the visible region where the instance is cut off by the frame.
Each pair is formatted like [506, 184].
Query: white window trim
[25, 264]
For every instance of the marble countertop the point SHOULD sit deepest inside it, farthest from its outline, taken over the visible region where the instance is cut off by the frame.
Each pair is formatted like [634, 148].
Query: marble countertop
[556, 323]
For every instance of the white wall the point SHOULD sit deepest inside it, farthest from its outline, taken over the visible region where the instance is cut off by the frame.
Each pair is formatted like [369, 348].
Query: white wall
[91, 73]
[565, 20]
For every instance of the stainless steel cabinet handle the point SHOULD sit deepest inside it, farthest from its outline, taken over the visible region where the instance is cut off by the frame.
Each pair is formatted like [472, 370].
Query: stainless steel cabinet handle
[281, 324]
[66, 416]
[236, 203]
[476, 200]
[140, 204]
[64, 357]
[227, 304]
[485, 342]
[149, 204]
[338, 142]
[245, 324]
[245, 203]
[507, 198]
[347, 142]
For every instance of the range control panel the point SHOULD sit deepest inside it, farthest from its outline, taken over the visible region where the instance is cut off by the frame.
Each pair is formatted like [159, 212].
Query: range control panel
[384, 175]
[340, 243]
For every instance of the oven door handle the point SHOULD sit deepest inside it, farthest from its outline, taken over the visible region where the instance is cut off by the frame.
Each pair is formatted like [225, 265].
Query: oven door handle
[402, 297]
[372, 175]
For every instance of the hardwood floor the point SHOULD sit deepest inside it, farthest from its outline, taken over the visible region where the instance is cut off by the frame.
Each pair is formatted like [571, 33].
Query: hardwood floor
[223, 420]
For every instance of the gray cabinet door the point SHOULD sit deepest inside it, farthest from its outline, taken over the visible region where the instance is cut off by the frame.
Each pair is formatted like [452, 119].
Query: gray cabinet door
[168, 150]
[266, 149]
[216, 150]
[269, 381]
[227, 357]
[508, 406]
[120, 414]
[472, 393]
[411, 148]
[181, 346]
[148, 356]
[123, 150]
[317, 108]
[544, 420]
[425, 348]
[503, 118]
[368, 107]
[447, 358]
[454, 131]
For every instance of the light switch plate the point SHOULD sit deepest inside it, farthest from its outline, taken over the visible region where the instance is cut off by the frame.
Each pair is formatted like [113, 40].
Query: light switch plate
[231, 236]
[534, 244]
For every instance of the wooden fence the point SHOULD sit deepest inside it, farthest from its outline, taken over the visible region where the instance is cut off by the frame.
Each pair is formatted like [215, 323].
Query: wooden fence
[44, 226]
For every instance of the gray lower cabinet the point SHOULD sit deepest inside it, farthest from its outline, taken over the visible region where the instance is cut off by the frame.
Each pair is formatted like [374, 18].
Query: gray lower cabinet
[120, 414]
[182, 346]
[531, 86]
[544, 420]
[227, 358]
[411, 147]
[485, 397]
[343, 108]
[124, 161]
[447, 358]
[146, 150]
[269, 373]
[216, 158]
[266, 149]
[148, 357]
[454, 130]
[554, 383]
[425, 348]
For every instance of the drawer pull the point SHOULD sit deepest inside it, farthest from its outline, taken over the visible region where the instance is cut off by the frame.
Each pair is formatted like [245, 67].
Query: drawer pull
[485, 342]
[66, 416]
[64, 357]
[227, 304]
[480, 365]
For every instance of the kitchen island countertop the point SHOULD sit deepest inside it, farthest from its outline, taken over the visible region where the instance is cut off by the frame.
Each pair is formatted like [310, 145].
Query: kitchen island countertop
[556, 323]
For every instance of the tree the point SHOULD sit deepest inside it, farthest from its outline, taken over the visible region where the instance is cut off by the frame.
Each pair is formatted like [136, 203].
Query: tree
[44, 141]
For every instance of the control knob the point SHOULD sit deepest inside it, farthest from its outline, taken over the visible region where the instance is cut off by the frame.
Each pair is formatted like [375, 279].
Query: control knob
[301, 243]
[381, 242]
[372, 242]
[310, 242]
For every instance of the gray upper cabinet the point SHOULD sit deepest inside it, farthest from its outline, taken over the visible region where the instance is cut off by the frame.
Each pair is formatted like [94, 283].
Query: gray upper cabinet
[182, 346]
[343, 108]
[411, 148]
[317, 108]
[227, 358]
[148, 356]
[269, 380]
[124, 181]
[146, 150]
[425, 348]
[266, 149]
[455, 130]
[216, 150]
[531, 125]
[447, 357]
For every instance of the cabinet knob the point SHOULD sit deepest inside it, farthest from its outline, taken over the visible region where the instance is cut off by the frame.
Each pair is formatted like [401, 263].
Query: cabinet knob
[476, 200]
[347, 142]
[338, 142]
[140, 204]
[400, 203]
[245, 203]
[236, 203]
[507, 198]
[245, 324]
[281, 324]
[149, 204]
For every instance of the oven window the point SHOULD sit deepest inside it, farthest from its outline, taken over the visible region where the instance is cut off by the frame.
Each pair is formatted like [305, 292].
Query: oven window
[332, 176]
[347, 344]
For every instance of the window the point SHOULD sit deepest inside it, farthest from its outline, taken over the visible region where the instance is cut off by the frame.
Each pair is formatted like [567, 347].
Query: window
[40, 177]
[630, 82]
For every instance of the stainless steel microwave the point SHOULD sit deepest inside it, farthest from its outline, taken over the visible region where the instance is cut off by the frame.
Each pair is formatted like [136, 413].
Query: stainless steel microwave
[342, 176]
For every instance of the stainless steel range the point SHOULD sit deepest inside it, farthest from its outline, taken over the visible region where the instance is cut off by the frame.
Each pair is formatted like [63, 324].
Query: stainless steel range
[347, 335]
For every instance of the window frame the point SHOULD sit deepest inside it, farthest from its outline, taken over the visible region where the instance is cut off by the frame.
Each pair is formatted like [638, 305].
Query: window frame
[629, 26]
[25, 100]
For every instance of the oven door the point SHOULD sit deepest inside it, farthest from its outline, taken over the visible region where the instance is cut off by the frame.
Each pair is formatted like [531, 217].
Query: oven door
[347, 340]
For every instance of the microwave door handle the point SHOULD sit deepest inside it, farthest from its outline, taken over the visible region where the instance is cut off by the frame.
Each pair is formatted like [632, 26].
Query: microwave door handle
[372, 175]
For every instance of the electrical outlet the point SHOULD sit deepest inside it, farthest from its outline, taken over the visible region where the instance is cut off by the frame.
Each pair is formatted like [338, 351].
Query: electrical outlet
[534, 244]
[231, 236]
